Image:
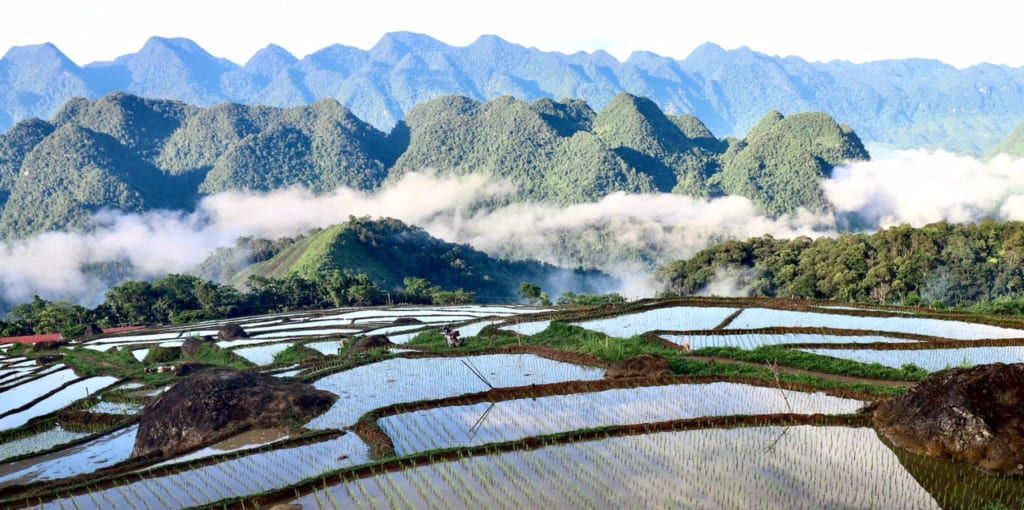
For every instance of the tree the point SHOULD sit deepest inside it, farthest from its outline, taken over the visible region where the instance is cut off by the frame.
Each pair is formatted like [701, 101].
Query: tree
[132, 303]
[533, 294]
[419, 290]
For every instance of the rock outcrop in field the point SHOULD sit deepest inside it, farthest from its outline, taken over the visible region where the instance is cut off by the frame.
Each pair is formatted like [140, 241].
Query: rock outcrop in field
[973, 415]
[231, 331]
[214, 404]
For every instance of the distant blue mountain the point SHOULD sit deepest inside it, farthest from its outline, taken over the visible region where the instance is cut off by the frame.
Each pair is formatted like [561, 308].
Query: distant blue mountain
[906, 103]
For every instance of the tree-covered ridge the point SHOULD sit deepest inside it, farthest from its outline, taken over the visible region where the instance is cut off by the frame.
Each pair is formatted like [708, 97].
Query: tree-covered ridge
[954, 265]
[545, 148]
[906, 103]
[575, 155]
[135, 154]
[387, 251]
[782, 160]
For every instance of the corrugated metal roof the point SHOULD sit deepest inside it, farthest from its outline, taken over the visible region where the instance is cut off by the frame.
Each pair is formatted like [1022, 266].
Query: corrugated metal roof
[31, 339]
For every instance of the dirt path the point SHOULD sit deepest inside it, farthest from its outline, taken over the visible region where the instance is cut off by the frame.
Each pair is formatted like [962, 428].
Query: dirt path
[797, 371]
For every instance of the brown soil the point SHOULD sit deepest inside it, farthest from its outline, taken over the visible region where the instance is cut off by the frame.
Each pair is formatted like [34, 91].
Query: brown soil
[381, 445]
[644, 365]
[401, 321]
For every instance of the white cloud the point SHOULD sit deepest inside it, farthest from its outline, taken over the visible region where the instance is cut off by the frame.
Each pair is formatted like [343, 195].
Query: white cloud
[668, 226]
[920, 187]
[915, 187]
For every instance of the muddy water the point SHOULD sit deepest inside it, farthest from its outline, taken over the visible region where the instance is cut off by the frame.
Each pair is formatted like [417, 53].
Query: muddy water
[244, 441]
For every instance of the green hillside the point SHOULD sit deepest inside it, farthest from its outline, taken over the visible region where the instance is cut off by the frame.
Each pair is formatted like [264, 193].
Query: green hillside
[947, 263]
[564, 152]
[134, 154]
[387, 251]
[782, 159]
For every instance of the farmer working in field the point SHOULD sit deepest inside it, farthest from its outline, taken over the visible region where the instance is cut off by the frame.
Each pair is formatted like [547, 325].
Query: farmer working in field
[451, 336]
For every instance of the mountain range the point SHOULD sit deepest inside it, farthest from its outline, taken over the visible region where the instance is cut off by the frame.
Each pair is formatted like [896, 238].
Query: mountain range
[134, 154]
[907, 103]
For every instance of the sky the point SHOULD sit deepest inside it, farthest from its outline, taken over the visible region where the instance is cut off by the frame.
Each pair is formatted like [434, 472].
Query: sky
[955, 32]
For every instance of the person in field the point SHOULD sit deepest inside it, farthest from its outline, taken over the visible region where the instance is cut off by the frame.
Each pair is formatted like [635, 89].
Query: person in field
[451, 336]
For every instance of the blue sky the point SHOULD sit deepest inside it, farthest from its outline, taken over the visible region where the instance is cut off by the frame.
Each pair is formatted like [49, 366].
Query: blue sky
[956, 32]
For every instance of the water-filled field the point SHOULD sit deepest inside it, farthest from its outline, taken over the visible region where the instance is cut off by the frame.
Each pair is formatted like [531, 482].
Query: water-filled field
[809, 467]
[747, 404]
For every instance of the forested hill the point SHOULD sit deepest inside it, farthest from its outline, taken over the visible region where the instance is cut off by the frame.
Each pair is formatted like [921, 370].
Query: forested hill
[135, 154]
[387, 251]
[907, 103]
[946, 263]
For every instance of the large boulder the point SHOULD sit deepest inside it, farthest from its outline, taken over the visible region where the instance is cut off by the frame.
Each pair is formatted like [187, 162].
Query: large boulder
[190, 347]
[187, 369]
[216, 403]
[48, 345]
[367, 343]
[231, 331]
[644, 365]
[973, 415]
[403, 321]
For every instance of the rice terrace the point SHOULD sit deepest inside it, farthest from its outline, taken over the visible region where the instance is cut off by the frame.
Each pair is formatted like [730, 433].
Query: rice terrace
[696, 402]
[527, 255]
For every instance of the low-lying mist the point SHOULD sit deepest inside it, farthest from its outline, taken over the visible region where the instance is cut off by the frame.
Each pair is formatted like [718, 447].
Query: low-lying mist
[625, 235]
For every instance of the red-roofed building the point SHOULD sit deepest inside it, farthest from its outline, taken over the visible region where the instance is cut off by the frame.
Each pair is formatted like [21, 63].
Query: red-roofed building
[31, 339]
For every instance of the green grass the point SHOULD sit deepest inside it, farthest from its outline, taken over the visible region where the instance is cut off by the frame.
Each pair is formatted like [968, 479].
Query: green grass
[121, 364]
[571, 338]
[115, 362]
[813, 362]
[211, 354]
[158, 355]
[296, 353]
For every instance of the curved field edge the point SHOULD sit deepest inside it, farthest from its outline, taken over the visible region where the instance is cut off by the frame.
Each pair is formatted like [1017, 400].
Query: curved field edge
[39, 493]
[381, 445]
[530, 443]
